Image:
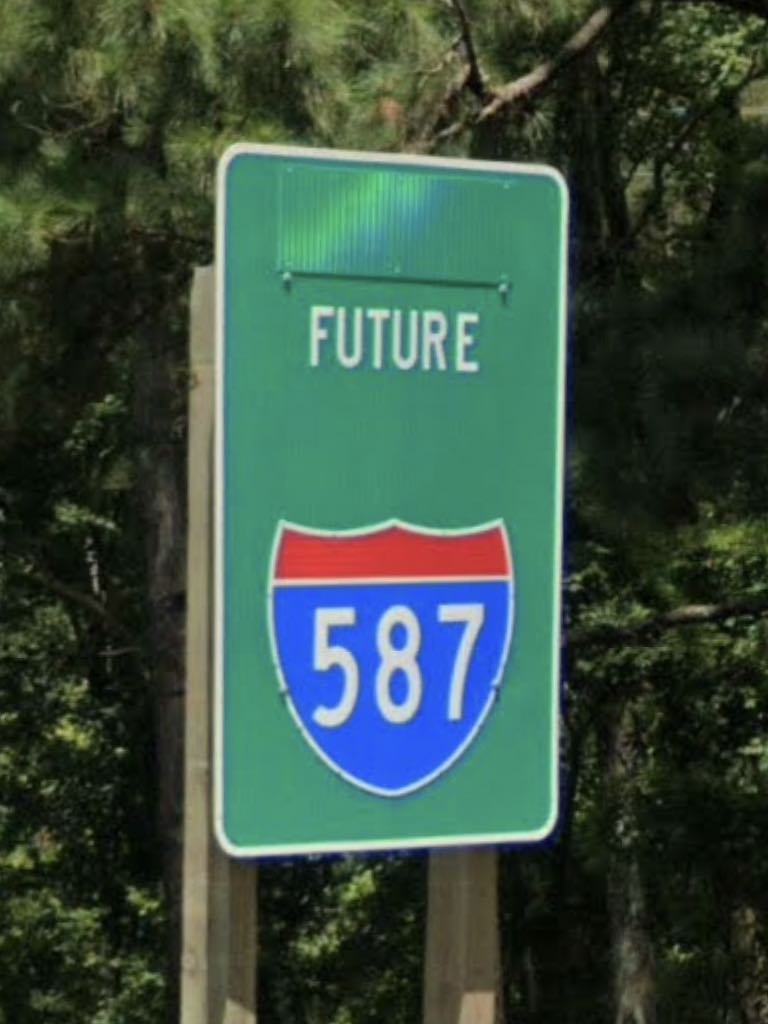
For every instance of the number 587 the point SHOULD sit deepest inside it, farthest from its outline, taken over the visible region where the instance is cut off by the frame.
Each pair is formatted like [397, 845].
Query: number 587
[394, 659]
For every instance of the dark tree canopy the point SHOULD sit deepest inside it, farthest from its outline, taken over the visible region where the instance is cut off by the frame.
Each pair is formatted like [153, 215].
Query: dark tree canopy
[652, 901]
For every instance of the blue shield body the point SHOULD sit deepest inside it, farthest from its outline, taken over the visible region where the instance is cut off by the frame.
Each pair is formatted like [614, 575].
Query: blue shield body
[391, 643]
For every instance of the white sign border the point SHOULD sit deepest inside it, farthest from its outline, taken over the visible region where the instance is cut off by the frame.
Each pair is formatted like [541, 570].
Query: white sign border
[382, 159]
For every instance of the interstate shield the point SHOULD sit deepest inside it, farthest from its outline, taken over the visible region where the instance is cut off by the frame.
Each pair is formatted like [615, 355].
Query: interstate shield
[391, 643]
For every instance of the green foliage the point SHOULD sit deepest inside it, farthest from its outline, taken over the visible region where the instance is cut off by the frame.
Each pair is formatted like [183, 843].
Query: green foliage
[112, 116]
[341, 941]
[80, 911]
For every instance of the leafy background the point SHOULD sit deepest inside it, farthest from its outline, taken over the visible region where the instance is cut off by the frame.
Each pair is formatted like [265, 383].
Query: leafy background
[112, 116]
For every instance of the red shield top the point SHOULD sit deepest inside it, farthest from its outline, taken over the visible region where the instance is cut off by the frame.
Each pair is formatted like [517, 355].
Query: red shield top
[392, 550]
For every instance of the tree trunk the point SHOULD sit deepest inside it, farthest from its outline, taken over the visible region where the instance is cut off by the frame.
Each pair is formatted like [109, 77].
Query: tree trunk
[632, 955]
[162, 510]
[601, 208]
[749, 945]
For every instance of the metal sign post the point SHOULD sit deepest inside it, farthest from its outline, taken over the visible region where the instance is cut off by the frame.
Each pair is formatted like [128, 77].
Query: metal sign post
[218, 961]
[462, 971]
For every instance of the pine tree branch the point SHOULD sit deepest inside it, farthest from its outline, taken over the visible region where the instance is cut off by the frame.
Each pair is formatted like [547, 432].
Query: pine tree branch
[523, 89]
[87, 602]
[446, 59]
[497, 100]
[474, 80]
[606, 635]
[541, 76]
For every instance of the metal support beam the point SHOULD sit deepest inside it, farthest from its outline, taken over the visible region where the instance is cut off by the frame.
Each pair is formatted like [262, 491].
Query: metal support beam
[218, 962]
[462, 967]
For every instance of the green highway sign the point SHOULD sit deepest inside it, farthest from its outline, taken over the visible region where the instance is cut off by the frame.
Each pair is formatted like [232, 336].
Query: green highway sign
[389, 500]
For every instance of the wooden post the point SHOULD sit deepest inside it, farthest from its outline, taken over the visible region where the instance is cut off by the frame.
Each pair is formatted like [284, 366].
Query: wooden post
[218, 961]
[462, 980]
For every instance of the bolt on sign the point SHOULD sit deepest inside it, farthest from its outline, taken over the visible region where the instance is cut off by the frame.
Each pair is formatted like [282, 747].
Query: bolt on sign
[389, 494]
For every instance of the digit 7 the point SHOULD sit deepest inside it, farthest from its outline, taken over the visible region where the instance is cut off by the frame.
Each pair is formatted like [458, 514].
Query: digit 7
[473, 617]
